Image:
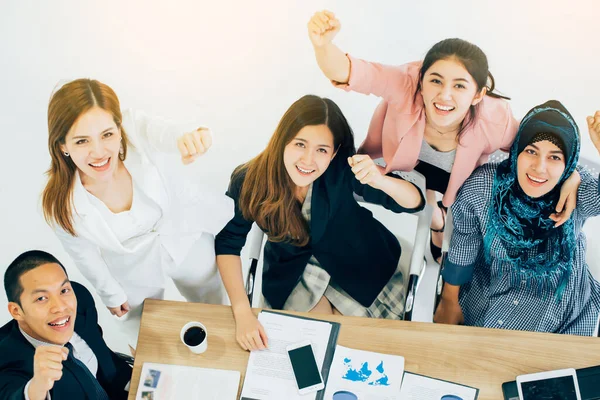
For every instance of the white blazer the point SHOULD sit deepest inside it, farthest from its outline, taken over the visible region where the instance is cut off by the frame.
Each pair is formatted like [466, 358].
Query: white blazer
[188, 207]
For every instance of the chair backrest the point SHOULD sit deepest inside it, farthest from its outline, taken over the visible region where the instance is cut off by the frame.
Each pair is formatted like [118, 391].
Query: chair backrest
[398, 225]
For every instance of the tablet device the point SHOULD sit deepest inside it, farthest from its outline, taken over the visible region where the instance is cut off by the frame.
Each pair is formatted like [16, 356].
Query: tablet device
[560, 385]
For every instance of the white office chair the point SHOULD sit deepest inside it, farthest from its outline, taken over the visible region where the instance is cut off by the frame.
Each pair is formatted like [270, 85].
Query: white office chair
[413, 255]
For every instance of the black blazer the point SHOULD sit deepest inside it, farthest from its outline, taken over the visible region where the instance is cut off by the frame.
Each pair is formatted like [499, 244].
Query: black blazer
[16, 360]
[357, 251]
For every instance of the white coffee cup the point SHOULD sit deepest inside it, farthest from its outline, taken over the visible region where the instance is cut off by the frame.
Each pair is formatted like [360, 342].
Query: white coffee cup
[195, 340]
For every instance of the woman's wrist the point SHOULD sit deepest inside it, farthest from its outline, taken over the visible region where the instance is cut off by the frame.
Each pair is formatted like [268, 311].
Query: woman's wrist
[333, 62]
[241, 308]
[450, 293]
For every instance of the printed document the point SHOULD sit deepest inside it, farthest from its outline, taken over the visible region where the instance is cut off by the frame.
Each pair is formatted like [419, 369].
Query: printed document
[175, 382]
[365, 374]
[269, 374]
[418, 387]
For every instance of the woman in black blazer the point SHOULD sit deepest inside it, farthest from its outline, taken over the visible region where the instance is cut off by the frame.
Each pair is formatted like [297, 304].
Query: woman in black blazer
[325, 252]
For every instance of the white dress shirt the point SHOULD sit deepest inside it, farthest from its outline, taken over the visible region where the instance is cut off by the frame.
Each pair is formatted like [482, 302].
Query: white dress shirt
[81, 351]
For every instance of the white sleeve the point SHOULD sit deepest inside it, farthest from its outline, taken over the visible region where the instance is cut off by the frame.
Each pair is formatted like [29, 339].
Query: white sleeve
[203, 206]
[26, 394]
[89, 261]
[160, 133]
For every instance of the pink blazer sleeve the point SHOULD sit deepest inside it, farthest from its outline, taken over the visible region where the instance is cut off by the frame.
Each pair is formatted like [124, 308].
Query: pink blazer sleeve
[497, 123]
[512, 126]
[392, 83]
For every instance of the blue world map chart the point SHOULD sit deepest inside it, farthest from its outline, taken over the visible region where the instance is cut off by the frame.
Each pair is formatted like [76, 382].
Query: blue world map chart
[365, 373]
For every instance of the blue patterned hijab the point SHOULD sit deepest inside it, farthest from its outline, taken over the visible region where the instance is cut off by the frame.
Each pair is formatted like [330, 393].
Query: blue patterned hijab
[536, 251]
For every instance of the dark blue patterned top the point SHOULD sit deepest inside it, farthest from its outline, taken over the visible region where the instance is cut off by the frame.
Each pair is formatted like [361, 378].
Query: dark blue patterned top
[493, 295]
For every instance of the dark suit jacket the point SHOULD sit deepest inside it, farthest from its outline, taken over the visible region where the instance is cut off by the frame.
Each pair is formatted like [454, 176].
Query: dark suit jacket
[357, 251]
[16, 358]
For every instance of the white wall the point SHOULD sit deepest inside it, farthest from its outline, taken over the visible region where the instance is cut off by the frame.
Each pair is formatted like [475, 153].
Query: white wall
[237, 65]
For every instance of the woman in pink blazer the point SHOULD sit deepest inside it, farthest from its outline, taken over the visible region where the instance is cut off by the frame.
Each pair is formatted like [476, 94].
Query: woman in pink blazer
[439, 116]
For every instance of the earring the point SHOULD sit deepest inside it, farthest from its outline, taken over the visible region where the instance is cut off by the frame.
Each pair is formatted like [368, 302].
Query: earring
[121, 151]
[66, 154]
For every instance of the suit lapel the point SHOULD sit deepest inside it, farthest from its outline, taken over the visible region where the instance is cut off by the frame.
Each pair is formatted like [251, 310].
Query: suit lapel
[89, 223]
[87, 329]
[397, 151]
[145, 175]
[318, 212]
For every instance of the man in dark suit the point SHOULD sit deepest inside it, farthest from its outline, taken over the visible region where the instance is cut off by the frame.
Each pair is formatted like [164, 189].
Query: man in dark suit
[53, 348]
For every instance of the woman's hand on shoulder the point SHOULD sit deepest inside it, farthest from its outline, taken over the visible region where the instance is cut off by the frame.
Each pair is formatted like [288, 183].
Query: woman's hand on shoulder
[366, 171]
[568, 199]
[594, 128]
[191, 145]
[322, 28]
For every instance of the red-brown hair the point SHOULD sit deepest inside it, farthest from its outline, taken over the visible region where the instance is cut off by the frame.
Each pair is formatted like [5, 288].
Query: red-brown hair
[66, 106]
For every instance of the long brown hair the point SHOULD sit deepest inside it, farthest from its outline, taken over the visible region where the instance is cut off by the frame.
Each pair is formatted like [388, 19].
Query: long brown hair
[66, 105]
[268, 193]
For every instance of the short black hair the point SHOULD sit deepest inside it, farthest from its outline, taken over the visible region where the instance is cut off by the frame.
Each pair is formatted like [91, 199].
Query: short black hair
[22, 264]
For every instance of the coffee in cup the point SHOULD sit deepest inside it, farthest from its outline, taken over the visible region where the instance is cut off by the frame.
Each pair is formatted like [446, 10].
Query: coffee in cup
[194, 336]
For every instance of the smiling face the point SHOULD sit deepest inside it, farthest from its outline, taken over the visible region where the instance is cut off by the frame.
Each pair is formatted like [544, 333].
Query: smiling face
[308, 155]
[448, 92]
[93, 143]
[48, 305]
[539, 168]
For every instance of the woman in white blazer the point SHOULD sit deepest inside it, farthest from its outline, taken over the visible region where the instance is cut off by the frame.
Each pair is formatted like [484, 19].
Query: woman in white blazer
[122, 209]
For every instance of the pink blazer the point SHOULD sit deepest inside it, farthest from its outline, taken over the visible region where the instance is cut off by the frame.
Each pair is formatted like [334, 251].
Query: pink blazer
[398, 124]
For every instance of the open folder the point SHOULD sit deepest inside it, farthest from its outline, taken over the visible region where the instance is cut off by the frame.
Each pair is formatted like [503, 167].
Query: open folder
[269, 374]
[365, 374]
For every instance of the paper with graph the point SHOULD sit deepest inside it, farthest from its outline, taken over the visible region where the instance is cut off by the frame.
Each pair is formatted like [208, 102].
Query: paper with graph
[366, 374]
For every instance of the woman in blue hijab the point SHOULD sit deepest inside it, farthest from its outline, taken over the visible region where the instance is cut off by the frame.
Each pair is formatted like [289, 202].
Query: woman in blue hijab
[508, 266]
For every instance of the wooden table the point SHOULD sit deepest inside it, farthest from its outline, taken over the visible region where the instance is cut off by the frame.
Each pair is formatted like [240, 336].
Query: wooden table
[482, 358]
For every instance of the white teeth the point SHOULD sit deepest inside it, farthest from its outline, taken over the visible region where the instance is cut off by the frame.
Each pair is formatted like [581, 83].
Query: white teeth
[536, 179]
[443, 108]
[305, 171]
[60, 323]
[101, 164]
